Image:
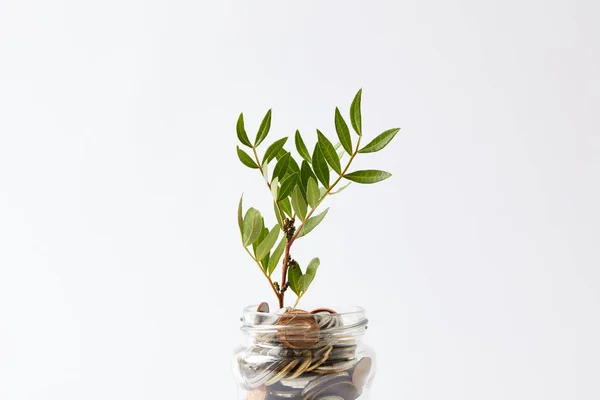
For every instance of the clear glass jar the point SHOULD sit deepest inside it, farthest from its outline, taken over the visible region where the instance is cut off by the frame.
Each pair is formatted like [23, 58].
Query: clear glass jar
[297, 355]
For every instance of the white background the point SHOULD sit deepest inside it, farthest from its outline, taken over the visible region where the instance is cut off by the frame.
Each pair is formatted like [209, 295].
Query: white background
[121, 272]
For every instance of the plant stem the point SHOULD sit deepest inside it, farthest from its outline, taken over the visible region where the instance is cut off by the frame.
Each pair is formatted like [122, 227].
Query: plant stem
[295, 236]
[284, 269]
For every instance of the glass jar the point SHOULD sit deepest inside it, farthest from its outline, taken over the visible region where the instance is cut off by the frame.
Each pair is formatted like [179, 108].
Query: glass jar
[299, 355]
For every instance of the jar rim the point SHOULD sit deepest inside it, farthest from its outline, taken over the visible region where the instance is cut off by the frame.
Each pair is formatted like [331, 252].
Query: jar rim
[341, 311]
[353, 320]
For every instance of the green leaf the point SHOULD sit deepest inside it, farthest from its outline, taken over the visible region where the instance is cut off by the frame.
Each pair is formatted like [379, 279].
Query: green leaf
[278, 215]
[263, 131]
[306, 173]
[287, 186]
[303, 283]
[340, 189]
[367, 176]
[293, 166]
[380, 141]
[245, 158]
[343, 132]
[313, 266]
[320, 166]
[299, 203]
[322, 192]
[252, 226]
[306, 279]
[312, 223]
[276, 256]
[286, 207]
[264, 263]
[329, 152]
[312, 193]
[267, 244]
[355, 115]
[282, 166]
[241, 132]
[273, 149]
[240, 218]
[263, 233]
[294, 275]
[301, 147]
[275, 188]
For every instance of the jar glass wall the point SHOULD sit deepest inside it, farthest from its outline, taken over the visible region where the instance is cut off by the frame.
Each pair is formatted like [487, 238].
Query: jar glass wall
[298, 355]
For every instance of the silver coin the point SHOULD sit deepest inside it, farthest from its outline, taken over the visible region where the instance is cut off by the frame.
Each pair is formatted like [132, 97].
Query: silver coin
[342, 389]
[327, 320]
[340, 353]
[284, 394]
[333, 367]
[323, 382]
[299, 382]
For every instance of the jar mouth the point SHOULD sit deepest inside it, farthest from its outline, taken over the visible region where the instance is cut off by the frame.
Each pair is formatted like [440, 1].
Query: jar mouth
[349, 320]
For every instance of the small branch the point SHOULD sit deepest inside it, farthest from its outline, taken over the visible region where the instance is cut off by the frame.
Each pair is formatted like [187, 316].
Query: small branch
[284, 269]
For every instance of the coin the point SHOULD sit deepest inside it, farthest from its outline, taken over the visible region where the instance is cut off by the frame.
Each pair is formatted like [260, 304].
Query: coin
[303, 365]
[343, 352]
[324, 381]
[259, 393]
[263, 307]
[319, 357]
[361, 372]
[327, 321]
[323, 310]
[298, 330]
[281, 373]
[333, 367]
[340, 389]
[328, 385]
[279, 391]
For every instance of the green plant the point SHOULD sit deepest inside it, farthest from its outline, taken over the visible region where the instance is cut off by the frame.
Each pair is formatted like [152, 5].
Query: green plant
[299, 186]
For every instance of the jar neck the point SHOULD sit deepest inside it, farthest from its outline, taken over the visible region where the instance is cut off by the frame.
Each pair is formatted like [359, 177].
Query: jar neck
[302, 330]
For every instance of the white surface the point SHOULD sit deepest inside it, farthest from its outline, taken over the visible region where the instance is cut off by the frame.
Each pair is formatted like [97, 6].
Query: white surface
[121, 274]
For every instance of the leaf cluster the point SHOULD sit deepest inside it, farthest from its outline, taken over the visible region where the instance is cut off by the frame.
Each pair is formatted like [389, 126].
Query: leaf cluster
[299, 183]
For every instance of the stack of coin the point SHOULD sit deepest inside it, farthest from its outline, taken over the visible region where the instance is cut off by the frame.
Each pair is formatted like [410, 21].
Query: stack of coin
[304, 358]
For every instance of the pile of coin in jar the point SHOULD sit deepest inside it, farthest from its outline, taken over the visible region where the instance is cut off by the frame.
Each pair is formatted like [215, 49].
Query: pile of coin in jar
[305, 356]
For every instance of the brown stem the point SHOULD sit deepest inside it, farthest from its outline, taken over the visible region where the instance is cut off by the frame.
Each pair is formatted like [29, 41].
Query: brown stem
[284, 269]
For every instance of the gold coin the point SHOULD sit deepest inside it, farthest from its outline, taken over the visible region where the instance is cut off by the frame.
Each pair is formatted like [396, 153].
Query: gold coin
[282, 373]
